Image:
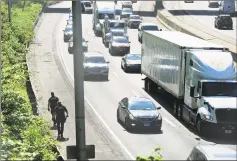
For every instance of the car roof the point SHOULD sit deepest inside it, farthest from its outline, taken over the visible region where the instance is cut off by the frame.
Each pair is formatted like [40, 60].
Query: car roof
[91, 54]
[119, 37]
[141, 99]
[224, 15]
[148, 24]
[217, 152]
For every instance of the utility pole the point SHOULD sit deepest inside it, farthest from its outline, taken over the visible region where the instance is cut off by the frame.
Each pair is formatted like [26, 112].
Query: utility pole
[9, 10]
[78, 60]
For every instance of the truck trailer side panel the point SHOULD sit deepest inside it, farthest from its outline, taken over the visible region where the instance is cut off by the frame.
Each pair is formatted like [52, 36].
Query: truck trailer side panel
[162, 63]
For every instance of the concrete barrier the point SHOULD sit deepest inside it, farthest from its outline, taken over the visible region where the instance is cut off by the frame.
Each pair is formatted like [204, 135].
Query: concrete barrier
[175, 24]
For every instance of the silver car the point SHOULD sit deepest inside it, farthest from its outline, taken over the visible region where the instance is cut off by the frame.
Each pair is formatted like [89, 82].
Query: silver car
[84, 45]
[95, 65]
[114, 32]
[68, 32]
[211, 152]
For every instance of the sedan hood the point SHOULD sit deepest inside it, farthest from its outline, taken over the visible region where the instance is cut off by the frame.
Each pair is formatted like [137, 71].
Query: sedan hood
[144, 113]
[221, 101]
[122, 45]
[134, 61]
[92, 65]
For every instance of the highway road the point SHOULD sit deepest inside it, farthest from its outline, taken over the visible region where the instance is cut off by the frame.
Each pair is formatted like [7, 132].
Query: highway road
[175, 140]
[199, 15]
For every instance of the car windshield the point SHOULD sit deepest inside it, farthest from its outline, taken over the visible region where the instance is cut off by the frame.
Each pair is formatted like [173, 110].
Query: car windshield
[102, 15]
[141, 105]
[120, 40]
[133, 57]
[117, 25]
[152, 28]
[117, 33]
[117, 12]
[219, 89]
[135, 17]
[95, 59]
[127, 11]
[68, 29]
[87, 4]
[226, 18]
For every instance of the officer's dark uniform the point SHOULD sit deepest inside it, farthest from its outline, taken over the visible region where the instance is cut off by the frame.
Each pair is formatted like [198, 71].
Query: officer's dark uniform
[60, 118]
[52, 103]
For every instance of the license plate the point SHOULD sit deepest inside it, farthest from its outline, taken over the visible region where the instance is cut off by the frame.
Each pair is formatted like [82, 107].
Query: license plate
[146, 124]
[228, 131]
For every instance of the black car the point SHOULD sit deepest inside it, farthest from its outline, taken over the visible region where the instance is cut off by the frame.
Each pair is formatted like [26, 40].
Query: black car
[213, 4]
[223, 21]
[84, 45]
[68, 33]
[119, 44]
[131, 62]
[139, 112]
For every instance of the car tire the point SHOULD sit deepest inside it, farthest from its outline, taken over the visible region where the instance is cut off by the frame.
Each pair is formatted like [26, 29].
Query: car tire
[106, 44]
[180, 111]
[199, 126]
[118, 119]
[175, 108]
[128, 128]
[121, 66]
[125, 68]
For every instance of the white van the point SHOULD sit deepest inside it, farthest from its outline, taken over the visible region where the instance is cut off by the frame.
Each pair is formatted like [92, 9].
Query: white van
[227, 7]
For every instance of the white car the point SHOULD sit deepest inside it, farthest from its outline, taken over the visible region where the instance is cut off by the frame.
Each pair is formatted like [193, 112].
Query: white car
[147, 27]
[212, 152]
[95, 65]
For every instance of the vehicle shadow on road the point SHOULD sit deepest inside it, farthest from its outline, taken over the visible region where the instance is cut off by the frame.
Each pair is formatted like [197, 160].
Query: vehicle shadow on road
[141, 131]
[95, 80]
[145, 13]
[56, 10]
[165, 100]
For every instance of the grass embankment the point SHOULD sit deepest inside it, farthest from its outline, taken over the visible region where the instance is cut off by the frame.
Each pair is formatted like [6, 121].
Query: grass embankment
[24, 136]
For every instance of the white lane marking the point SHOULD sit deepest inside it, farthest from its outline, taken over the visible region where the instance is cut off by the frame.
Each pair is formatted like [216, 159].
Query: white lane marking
[101, 119]
[115, 74]
[112, 133]
[135, 93]
[169, 122]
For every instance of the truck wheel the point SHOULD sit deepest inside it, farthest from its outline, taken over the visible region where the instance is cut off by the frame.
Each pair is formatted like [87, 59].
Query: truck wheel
[145, 85]
[180, 111]
[150, 86]
[175, 108]
[199, 126]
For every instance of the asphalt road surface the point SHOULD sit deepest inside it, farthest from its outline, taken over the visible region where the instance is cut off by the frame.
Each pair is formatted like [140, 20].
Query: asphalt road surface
[175, 140]
[199, 15]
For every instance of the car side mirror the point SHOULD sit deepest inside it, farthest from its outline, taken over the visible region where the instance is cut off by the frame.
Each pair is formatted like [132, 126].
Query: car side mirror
[205, 103]
[87, 41]
[158, 108]
[107, 62]
[129, 42]
[63, 30]
[141, 18]
[192, 88]
[160, 29]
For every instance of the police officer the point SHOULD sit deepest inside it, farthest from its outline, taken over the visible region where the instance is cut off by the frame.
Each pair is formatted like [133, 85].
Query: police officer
[52, 103]
[61, 118]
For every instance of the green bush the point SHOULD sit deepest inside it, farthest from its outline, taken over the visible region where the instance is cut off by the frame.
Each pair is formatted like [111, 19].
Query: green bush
[24, 135]
[155, 156]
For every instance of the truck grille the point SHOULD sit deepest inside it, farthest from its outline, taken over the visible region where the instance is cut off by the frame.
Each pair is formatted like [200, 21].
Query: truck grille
[226, 115]
[146, 119]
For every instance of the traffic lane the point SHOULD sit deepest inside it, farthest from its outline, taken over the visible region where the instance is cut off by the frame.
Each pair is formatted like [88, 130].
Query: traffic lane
[202, 22]
[108, 96]
[208, 20]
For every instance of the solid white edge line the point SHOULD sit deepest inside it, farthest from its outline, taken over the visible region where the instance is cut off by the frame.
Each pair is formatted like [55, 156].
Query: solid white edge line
[115, 74]
[97, 114]
[135, 93]
[169, 122]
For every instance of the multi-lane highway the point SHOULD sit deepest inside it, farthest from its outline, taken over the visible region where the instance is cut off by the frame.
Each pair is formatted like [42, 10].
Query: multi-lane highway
[199, 15]
[175, 140]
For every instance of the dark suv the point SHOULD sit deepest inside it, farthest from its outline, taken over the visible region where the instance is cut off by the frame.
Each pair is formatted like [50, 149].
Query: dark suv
[223, 21]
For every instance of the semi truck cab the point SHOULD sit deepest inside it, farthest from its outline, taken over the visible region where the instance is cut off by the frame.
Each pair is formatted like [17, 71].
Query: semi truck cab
[210, 92]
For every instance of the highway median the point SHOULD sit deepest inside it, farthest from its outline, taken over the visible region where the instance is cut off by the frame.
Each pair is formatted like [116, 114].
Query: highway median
[173, 23]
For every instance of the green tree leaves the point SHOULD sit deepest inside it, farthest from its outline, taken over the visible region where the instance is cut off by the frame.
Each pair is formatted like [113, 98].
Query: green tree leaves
[24, 136]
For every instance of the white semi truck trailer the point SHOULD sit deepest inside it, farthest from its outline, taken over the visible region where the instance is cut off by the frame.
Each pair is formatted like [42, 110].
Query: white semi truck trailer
[199, 76]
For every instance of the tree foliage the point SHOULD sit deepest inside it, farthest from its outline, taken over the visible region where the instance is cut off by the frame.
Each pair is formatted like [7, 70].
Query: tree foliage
[24, 135]
[155, 156]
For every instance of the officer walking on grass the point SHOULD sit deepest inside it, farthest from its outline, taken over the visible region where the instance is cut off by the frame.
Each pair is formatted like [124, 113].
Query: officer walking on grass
[61, 118]
[52, 103]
